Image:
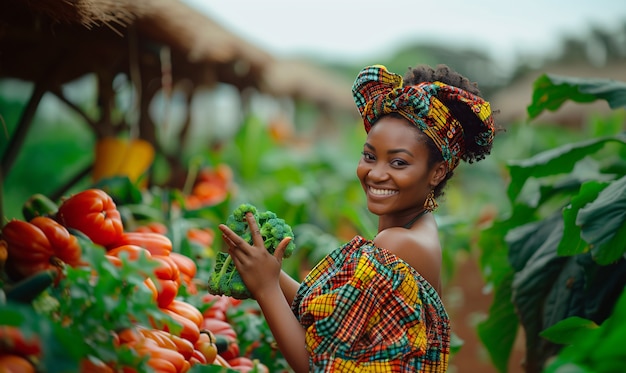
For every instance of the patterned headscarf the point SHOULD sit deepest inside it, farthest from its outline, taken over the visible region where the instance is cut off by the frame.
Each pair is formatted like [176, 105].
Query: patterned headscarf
[378, 92]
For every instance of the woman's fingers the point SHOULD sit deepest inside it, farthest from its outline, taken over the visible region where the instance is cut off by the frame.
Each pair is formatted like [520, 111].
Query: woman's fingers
[257, 240]
[232, 239]
[280, 249]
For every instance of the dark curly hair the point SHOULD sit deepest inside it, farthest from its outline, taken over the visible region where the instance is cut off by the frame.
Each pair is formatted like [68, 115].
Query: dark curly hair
[467, 118]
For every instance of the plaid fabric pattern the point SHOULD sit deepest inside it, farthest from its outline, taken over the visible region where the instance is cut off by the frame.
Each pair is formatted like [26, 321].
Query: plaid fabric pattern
[377, 92]
[366, 310]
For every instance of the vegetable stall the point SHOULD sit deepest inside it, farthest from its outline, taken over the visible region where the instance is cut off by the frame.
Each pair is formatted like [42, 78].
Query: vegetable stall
[107, 267]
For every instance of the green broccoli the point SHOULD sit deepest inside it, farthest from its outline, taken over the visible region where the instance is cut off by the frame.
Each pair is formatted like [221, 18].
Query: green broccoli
[224, 279]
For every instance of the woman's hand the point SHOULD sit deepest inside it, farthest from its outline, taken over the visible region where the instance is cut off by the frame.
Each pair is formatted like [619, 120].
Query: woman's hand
[260, 271]
[258, 268]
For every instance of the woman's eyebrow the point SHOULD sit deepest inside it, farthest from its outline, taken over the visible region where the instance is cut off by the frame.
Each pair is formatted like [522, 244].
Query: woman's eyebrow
[391, 151]
[400, 150]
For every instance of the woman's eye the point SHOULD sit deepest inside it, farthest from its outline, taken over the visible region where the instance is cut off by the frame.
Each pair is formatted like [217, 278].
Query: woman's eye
[368, 156]
[398, 163]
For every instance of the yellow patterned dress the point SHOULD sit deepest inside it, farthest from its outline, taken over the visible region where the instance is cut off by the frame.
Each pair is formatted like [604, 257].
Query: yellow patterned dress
[366, 310]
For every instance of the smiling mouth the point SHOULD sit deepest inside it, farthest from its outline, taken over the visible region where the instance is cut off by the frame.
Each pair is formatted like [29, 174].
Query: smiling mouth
[382, 192]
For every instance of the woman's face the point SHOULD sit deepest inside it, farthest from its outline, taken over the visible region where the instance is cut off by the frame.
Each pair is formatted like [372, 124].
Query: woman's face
[394, 168]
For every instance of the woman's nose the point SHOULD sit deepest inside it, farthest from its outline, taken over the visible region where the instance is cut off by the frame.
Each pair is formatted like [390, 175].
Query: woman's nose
[378, 172]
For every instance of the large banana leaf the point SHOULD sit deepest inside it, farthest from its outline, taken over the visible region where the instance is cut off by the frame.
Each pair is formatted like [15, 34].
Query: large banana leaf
[564, 240]
[551, 91]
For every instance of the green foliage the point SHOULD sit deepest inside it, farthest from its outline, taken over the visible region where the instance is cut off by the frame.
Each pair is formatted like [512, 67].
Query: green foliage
[559, 254]
[589, 347]
[551, 91]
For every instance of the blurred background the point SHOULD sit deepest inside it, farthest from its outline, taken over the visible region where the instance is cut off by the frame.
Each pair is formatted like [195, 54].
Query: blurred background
[263, 88]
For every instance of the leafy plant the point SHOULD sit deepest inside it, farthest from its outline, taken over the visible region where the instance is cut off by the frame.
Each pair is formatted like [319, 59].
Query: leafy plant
[559, 255]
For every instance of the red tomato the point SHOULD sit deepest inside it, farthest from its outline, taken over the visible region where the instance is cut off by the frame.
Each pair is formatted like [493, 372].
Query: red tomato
[64, 245]
[241, 361]
[219, 327]
[29, 250]
[218, 305]
[167, 292]
[94, 213]
[12, 340]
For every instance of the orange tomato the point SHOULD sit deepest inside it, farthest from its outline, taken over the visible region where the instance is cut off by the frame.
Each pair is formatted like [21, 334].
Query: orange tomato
[15, 364]
[221, 362]
[161, 365]
[93, 365]
[187, 310]
[156, 352]
[184, 346]
[114, 260]
[167, 268]
[190, 330]
[153, 226]
[130, 336]
[152, 287]
[201, 236]
[160, 337]
[197, 357]
[156, 243]
[131, 251]
[206, 345]
[184, 263]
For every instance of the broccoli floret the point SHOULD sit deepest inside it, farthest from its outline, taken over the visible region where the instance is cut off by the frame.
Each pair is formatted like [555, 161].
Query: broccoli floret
[224, 279]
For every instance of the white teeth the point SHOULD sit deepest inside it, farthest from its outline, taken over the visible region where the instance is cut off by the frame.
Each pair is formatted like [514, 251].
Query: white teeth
[382, 192]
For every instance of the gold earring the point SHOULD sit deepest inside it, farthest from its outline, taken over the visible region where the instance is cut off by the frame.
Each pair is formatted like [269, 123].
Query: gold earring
[430, 204]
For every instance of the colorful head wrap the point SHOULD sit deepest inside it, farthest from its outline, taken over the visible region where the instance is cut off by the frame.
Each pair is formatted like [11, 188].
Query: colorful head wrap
[378, 92]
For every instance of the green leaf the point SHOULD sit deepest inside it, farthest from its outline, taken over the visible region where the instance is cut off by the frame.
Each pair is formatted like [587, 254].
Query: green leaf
[603, 222]
[556, 161]
[551, 91]
[499, 330]
[567, 331]
[572, 243]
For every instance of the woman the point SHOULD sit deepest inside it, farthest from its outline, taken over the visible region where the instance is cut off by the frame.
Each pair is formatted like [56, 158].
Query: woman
[374, 305]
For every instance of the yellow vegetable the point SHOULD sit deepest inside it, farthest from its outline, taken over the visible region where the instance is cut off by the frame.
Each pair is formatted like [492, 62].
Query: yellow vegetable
[122, 157]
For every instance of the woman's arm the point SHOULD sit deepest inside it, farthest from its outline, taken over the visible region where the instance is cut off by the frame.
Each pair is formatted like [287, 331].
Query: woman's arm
[285, 328]
[261, 272]
[289, 286]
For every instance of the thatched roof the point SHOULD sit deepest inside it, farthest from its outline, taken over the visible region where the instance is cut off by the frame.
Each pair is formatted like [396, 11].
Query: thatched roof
[304, 80]
[61, 40]
[77, 37]
[84, 12]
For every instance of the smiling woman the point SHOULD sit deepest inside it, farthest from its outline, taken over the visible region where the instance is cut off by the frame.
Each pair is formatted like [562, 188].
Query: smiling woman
[418, 131]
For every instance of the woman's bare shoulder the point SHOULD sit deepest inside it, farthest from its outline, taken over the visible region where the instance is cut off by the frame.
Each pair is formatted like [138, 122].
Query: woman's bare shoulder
[421, 249]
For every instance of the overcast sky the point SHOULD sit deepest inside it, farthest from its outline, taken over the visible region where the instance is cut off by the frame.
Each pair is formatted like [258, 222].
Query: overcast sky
[344, 30]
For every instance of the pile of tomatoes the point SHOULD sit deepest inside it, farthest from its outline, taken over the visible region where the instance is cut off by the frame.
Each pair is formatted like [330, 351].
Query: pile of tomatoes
[48, 242]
